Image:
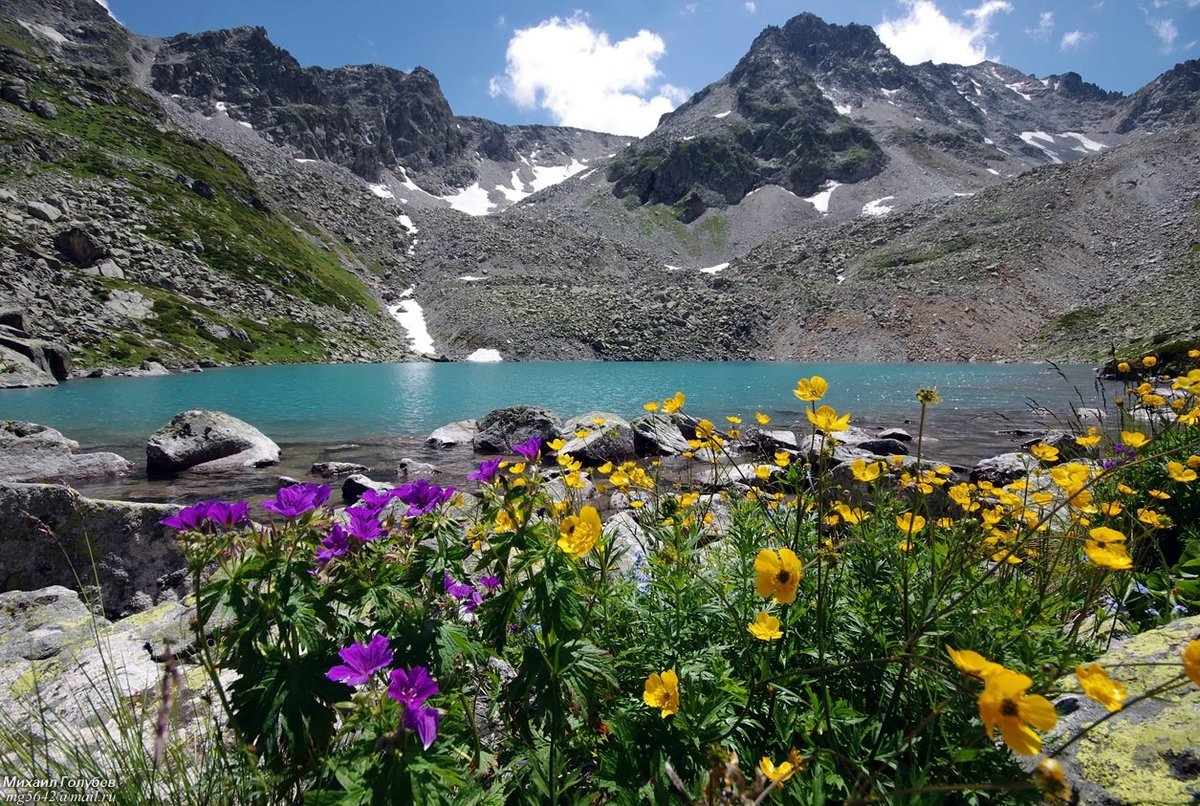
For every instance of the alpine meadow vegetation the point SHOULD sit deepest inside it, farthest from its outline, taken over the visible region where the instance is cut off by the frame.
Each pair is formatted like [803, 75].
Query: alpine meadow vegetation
[817, 632]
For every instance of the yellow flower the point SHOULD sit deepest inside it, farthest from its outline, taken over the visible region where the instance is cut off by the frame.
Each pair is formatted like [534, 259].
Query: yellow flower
[763, 419]
[826, 419]
[777, 573]
[1178, 472]
[1191, 660]
[1100, 687]
[1090, 439]
[783, 459]
[850, 515]
[556, 444]
[765, 627]
[1159, 494]
[579, 533]
[598, 421]
[1044, 453]
[762, 472]
[674, 404]
[909, 523]
[605, 468]
[1107, 549]
[662, 692]
[1153, 519]
[864, 471]
[928, 397]
[651, 406]
[731, 418]
[1052, 779]
[785, 770]
[1112, 508]
[1134, 439]
[1149, 361]
[810, 390]
[971, 663]
[1193, 353]
[517, 468]
[1125, 489]
[1123, 366]
[1193, 462]
[1005, 705]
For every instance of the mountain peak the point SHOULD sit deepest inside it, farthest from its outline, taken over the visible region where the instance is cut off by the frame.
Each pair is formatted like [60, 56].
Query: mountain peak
[818, 43]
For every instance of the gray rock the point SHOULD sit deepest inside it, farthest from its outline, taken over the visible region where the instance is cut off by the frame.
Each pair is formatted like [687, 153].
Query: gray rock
[45, 212]
[358, 484]
[44, 109]
[208, 441]
[411, 467]
[631, 543]
[767, 441]
[30, 452]
[333, 469]
[883, 447]
[1148, 751]
[18, 372]
[457, 433]
[151, 368]
[109, 268]
[49, 533]
[657, 435]
[1005, 468]
[35, 625]
[500, 430]
[129, 303]
[1068, 448]
[895, 433]
[49, 357]
[610, 442]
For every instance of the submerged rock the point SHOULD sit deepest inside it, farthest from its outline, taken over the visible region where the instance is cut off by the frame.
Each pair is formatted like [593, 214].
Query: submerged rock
[332, 469]
[208, 441]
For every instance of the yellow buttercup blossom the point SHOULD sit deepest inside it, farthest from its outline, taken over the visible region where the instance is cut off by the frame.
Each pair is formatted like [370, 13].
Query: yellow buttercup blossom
[662, 691]
[1052, 779]
[1134, 439]
[1123, 366]
[675, 403]
[864, 470]
[1179, 472]
[778, 574]
[1125, 489]
[1153, 518]
[762, 472]
[971, 663]
[850, 515]
[733, 419]
[1100, 687]
[556, 444]
[579, 533]
[1106, 548]
[1193, 353]
[651, 406]
[1159, 494]
[765, 627]
[783, 459]
[1112, 508]
[810, 390]
[826, 419]
[1191, 660]
[598, 421]
[763, 419]
[605, 468]
[1088, 440]
[1005, 705]
[1044, 453]
[1149, 361]
[785, 770]
[909, 523]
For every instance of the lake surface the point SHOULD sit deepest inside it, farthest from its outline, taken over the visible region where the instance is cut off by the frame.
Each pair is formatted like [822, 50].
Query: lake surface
[375, 413]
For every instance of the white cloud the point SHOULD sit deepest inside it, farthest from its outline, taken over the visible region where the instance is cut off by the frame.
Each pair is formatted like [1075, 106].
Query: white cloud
[1166, 32]
[1044, 27]
[1073, 39]
[584, 80]
[500, 21]
[690, 8]
[926, 34]
[751, 6]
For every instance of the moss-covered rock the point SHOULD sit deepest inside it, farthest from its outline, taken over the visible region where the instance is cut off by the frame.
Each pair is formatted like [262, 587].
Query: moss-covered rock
[1150, 751]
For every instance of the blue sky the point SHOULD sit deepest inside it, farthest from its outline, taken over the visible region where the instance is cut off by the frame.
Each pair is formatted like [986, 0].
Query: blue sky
[617, 65]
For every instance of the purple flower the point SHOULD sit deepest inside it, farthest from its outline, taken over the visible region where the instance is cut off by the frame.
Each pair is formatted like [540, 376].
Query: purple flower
[490, 581]
[364, 525]
[470, 597]
[424, 721]
[422, 497]
[189, 519]
[412, 688]
[487, 472]
[376, 500]
[335, 544]
[226, 515]
[294, 501]
[530, 448]
[362, 661]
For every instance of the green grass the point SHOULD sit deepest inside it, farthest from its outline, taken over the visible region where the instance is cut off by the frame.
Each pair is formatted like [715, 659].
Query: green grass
[923, 254]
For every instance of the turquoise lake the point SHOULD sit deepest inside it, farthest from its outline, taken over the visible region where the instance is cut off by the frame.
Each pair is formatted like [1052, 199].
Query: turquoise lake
[385, 410]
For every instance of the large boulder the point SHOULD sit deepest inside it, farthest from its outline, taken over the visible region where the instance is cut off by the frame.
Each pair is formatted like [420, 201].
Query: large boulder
[208, 441]
[18, 372]
[32, 452]
[50, 357]
[1149, 751]
[1003, 469]
[501, 429]
[80, 247]
[51, 535]
[657, 435]
[609, 438]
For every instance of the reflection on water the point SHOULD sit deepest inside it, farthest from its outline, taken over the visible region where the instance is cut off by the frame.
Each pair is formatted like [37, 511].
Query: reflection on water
[376, 414]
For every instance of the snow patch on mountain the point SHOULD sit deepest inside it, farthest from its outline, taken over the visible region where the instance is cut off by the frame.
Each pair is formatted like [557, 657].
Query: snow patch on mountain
[1086, 144]
[412, 318]
[820, 200]
[382, 191]
[485, 355]
[714, 269]
[877, 207]
[472, 200]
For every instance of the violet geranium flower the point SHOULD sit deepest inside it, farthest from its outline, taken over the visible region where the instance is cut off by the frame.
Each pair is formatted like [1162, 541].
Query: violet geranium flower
[411, 689]
[423, 497]
[487, 472]
[227, 515]
[466, 594]
[376, 500]
[490, 581]
[189, 519]
[364, 525]
[335, 544]
[294, 501]
[362, 661]
[530, 448]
